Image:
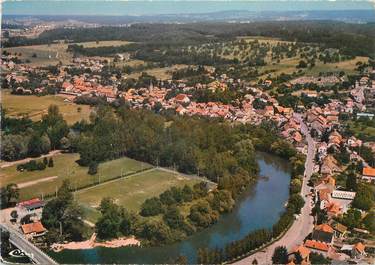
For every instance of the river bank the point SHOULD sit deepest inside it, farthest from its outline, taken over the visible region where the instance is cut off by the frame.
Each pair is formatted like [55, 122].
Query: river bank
[258, 207]
[90, 244]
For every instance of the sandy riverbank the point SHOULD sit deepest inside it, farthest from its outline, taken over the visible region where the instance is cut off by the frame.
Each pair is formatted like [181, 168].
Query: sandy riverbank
[89, 244]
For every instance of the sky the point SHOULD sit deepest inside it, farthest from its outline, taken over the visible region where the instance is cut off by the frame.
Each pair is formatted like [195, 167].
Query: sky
[154, 7]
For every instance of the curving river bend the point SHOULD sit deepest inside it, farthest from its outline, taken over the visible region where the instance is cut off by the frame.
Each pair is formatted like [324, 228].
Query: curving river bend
[258, 207]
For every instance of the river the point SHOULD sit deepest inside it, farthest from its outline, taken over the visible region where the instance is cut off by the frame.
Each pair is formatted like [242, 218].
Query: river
[259, 207]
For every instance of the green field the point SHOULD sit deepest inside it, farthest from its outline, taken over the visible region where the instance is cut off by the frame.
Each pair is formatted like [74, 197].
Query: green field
[361, 130]
[34, 107]
[130, 192]
[159, 73]
[65, 167]
[288, 66]
[54, 53]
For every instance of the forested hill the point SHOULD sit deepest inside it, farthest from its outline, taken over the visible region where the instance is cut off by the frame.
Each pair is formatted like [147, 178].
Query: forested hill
[353, 39]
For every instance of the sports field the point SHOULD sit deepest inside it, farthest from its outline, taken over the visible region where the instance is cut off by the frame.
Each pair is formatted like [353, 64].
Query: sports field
[34, 107]
[130, 192]
[38, 183]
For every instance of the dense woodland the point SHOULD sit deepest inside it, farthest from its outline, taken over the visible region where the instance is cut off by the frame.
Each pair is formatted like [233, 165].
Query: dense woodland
[354, 39]
[24, 138]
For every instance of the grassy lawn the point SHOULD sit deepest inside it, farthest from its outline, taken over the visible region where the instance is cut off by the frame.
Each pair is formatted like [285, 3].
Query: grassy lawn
[361, 131]
[160, 73]
[34, 107]
[54, 53]
[346, 66]
[288, 66]
[263, 39]
[130, 192]
[65, 167]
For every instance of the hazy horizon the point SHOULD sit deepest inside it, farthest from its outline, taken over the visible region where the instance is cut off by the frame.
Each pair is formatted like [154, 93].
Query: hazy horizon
[162, 7]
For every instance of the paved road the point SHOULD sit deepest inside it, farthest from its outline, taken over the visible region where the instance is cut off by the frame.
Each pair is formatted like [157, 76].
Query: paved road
[304, 224]
[38, 256]
[25, 160]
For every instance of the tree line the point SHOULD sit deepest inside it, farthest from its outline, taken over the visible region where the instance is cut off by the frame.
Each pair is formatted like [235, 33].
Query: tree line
[23, 138]
[260, 237]
[352, 39]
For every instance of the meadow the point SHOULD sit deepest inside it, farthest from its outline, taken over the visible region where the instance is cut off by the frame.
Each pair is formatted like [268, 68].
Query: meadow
[35, 106]
[52, 54]
[45, 182]
[288, 66]
[131, 191]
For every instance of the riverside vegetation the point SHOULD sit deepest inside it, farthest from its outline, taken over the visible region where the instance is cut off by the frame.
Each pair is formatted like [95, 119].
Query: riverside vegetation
[216, 149]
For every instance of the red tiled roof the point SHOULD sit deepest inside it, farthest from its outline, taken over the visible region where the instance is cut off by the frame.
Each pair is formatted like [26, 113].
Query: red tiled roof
[29, 202]
[181, 97]
[368, 171]
[317, 245]
[359, 247]
[303, 251]
[33, 228]
[325, 228]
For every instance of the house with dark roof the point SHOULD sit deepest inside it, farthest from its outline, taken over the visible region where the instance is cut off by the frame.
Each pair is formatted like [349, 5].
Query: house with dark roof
[339, 230]
[31, 205]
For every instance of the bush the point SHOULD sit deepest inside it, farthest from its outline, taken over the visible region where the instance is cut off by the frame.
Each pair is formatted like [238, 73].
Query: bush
[50, 162]
[295, 203]
[26, 219]
[93, 168]
[32, 166]
[14, 214]
[151, 207]
[364, 198]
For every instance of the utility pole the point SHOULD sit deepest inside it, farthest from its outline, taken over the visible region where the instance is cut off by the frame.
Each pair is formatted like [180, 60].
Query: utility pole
[60, 228]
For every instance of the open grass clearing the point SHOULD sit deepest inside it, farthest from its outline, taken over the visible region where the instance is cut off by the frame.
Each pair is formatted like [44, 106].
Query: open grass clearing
[34, 107]
[160, 73]
[263, 39]
[288, 66]
[130, 192]
[65, 167]
[54, 53]
[347, 66]
[361, 131]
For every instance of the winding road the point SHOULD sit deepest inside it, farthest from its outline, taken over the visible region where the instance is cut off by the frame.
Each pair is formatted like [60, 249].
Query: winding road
[304, 224]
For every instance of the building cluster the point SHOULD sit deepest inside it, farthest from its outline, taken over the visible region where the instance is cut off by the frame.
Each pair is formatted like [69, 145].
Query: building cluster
[330, 237]
[363, 93]
[29, 214]
[320, 81]
[322, 242]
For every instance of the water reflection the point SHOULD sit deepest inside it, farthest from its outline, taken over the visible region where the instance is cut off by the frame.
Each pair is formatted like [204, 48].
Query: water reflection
[258, 207]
